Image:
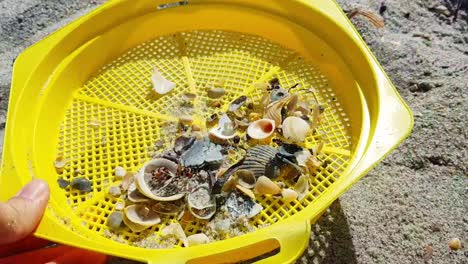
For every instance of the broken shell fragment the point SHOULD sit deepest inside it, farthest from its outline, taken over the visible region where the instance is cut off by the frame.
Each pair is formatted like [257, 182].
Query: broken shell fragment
[160, 84]
[133, 226]
[63, 183]
[237, 103]
[176, 230]
[245, 191]
[302, 157]
[169, 208]
[158, 180]
[273, 110]
[302, 186]
[241, 124]
[60, 163]
[127, 180]
[119, 206]
[295, 129]
[266, 186]
[289, 195]
[134, 195]
[140, 214]
[261, 129]
[114, 220]
[119, 172]
[292, 104]
[245, 178]
[114, 191]
[215, 93]
[197, 239]
[81, 184]
[225, 129]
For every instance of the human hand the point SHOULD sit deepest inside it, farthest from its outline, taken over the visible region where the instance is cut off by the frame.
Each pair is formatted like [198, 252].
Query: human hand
[19, 217]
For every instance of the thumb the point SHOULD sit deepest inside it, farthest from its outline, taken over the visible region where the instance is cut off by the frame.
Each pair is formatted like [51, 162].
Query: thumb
[22, 213]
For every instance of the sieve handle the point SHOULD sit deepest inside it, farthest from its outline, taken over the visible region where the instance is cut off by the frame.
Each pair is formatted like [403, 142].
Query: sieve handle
[292, 236]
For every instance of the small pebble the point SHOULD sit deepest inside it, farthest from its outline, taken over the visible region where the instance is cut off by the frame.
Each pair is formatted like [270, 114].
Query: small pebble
[196, 127]
[115, 191]
[81, 184]
[186, 120]
[214, 93]
[63, 183]
[120, 172]
[114, 221]
[455, 244]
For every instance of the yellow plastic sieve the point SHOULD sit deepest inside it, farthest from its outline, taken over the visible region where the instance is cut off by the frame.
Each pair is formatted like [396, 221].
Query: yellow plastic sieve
[98, 68]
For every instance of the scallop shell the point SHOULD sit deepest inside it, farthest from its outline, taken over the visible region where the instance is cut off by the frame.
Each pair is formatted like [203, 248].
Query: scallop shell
[273, 110]
[302, 186]
[140, 214]
[257, 158]
[145, 184]
[197, 239]
[265, 186]
[200, 202]
[261, 129]
[295, 129]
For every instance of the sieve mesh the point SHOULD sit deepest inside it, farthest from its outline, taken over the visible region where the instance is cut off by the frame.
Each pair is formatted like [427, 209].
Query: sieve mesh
[129, 119]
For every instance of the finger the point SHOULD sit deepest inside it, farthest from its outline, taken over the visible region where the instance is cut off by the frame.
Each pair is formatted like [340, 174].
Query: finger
[57, 255]
[21, 214]
[27, 244]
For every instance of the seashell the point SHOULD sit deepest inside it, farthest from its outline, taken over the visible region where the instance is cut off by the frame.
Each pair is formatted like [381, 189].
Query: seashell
[160, 84]
[237, 103]
[60, 163]
[133, 226]
[254, 116]
[302, 157]
[289, 195]
[230, 184]
[188, 96]
[169, 208]
[273, 110]
[303, 107]
[278, 94]
[200, 203]
[255, 210]
[257, 158]
[114, 220]
[119, 172]
[140, 214]
[197, 239]
[241, 124]
[176, 230]
[265, 186]
[295, 129]
[246, 191]
[292, 104]
[302, 186]
[158, 180]
[114, 191]
[183, 143]
[225, 129]
[265, 101]
[119, 206]
[127, 180]
[211, 119]
[313, 164]
[245, 178]
[81, 184]
[261, 129]
[239, 113]
[215, 93]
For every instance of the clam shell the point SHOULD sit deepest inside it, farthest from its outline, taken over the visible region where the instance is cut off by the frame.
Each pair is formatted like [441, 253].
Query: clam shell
[197, 239]
[295, 129]
[140, 214]
[261, 129]
[302, 186]
[200, 203]
[265, 186]
[143, 181]
[169, 208]
[257, 158]
[134, 195]
[225, 129]
[273, 110]
[246, 191]
[289, 195]
[133, 226]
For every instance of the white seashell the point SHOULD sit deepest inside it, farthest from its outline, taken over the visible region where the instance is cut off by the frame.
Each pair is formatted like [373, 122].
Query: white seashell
[200, 202]
[289, 195]
[119, 206]
[265, 186]
[134, 195]
[141, 215]
[176, 230]
[295, 129]
[225, 129]
[133, 226]
[143, 185]
[256, 209]
[302, 157]
[120, 172]
[114, 191]
[160, 84]
[197, 239]
[302, 186]
[261, 129]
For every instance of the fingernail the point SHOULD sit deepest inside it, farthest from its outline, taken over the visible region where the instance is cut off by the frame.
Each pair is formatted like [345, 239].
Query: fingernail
[33, 190]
